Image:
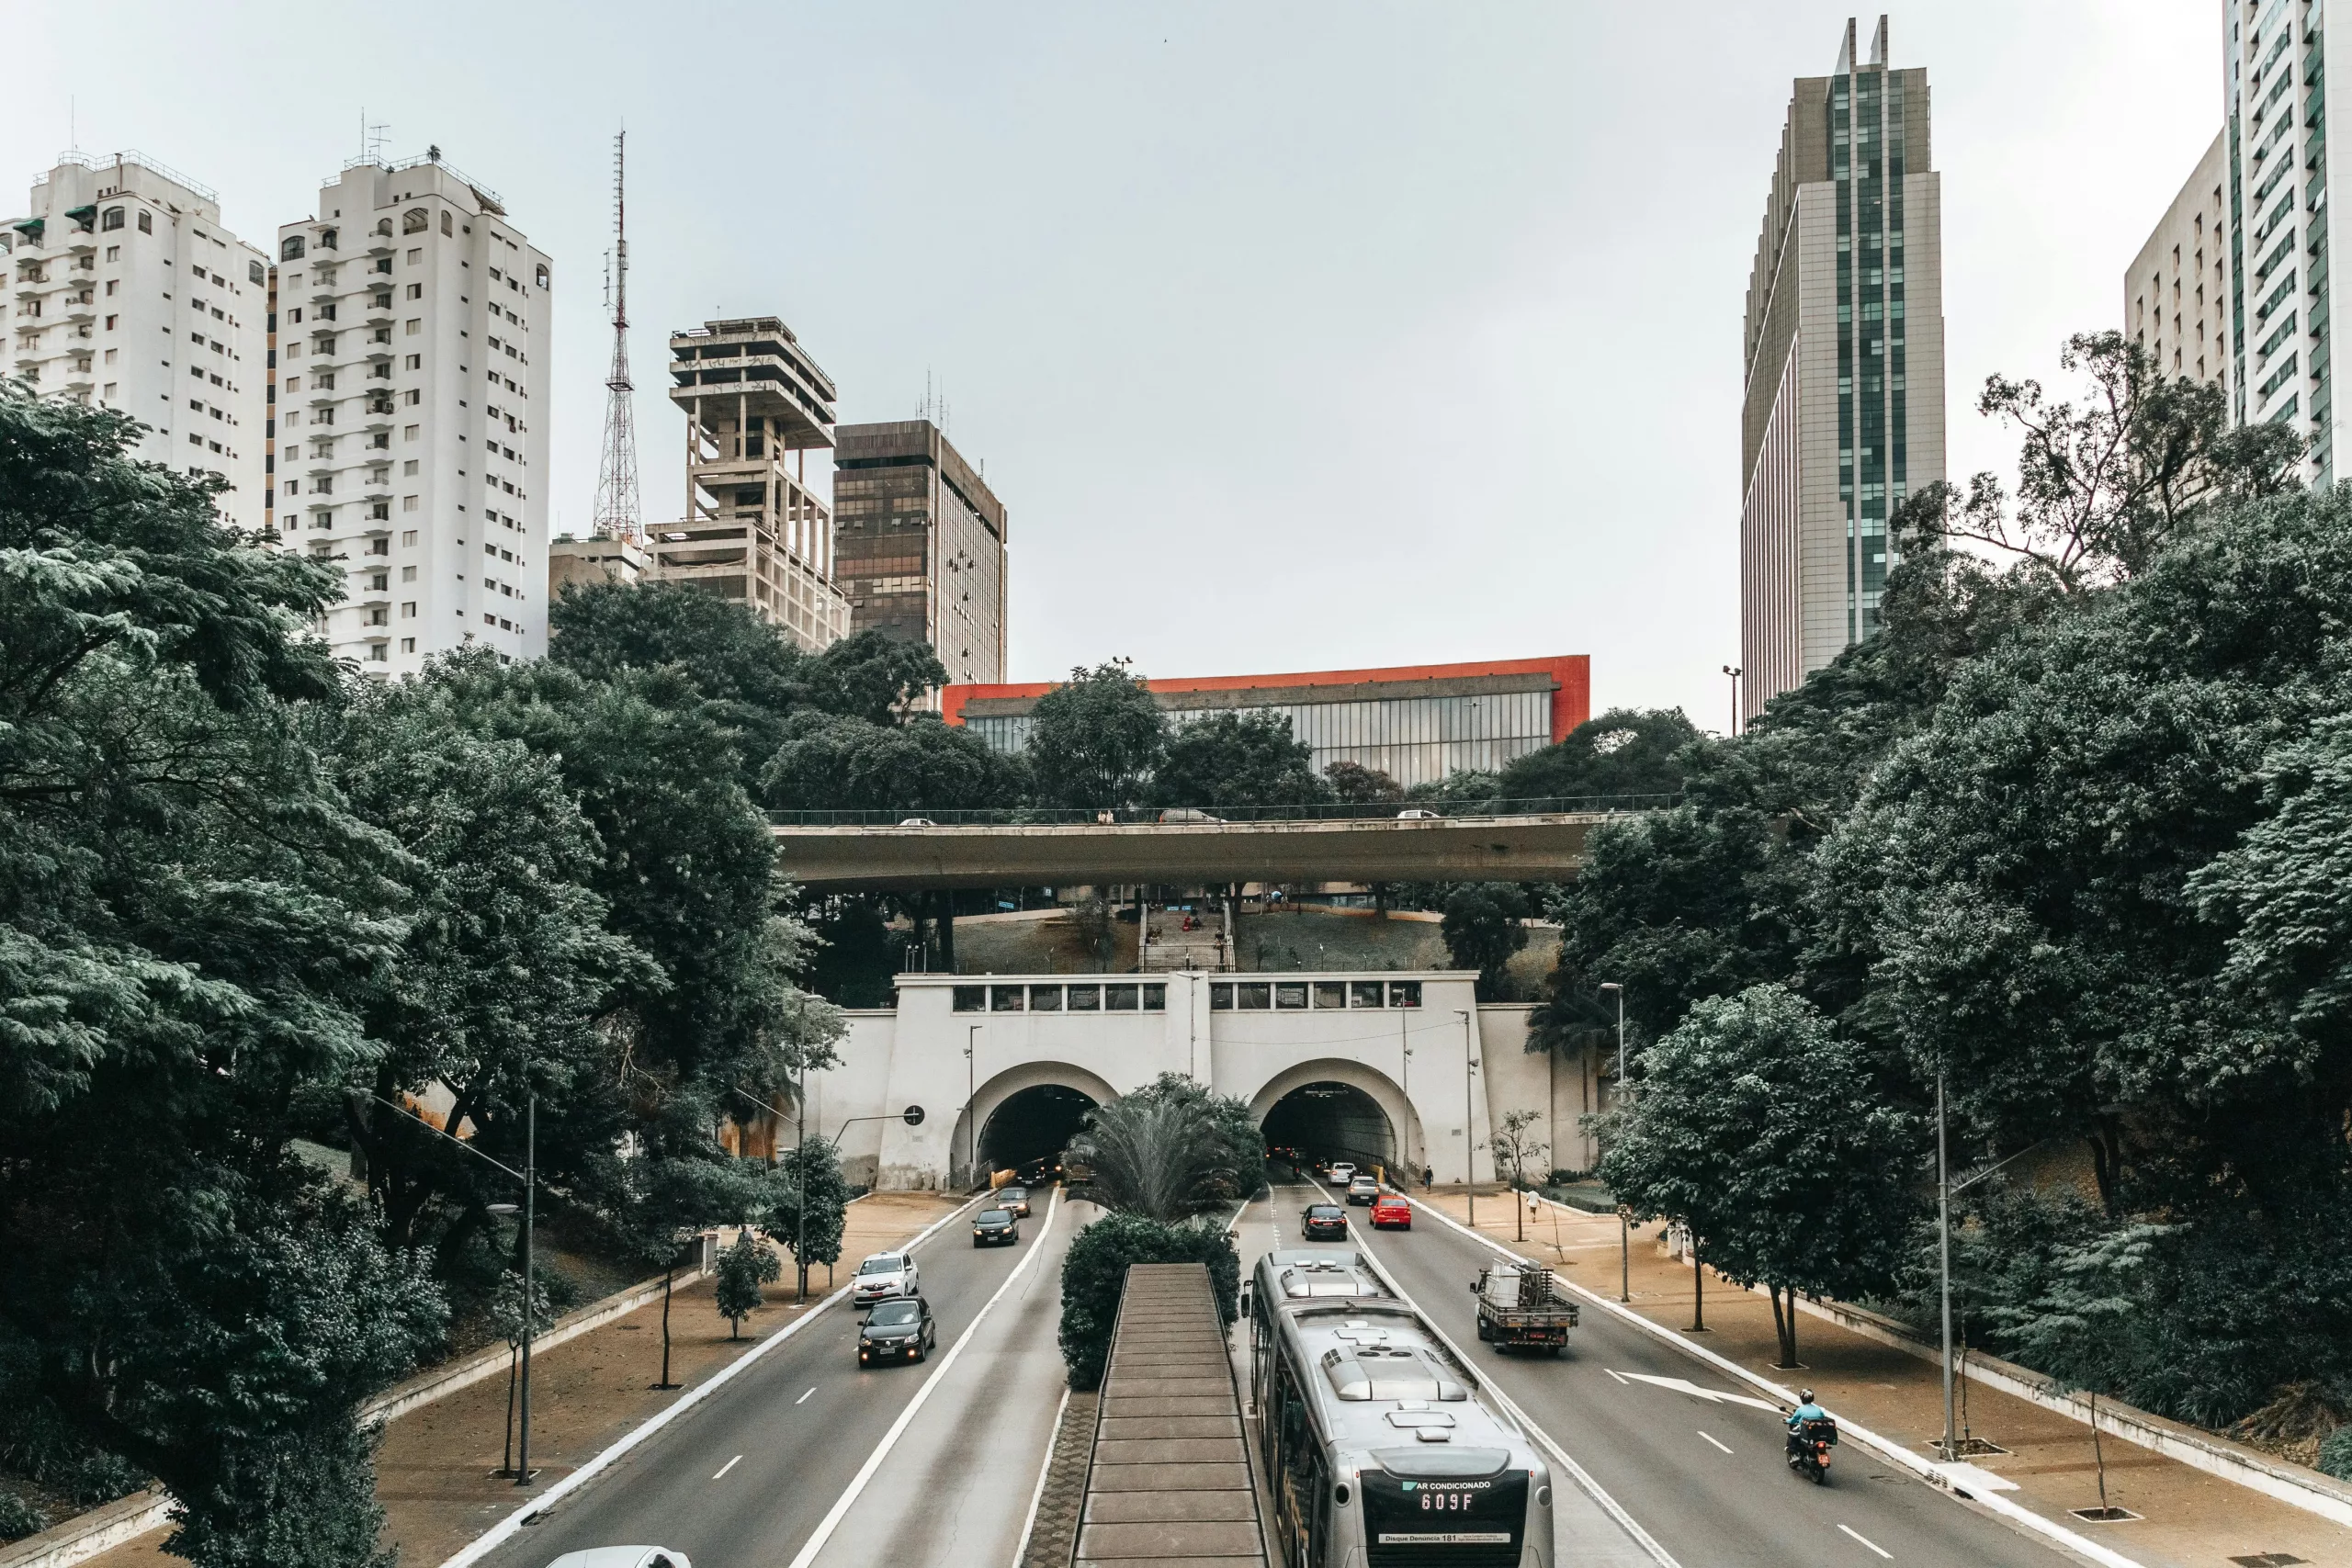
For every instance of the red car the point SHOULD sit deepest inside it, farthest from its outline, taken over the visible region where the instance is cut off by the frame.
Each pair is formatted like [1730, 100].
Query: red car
[1389, 1209]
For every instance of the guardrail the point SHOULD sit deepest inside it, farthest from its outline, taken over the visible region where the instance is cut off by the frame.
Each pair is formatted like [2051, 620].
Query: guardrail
[1180, 816]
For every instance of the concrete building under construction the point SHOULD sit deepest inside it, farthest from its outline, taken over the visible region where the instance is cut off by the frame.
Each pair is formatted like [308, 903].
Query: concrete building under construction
[755, 403]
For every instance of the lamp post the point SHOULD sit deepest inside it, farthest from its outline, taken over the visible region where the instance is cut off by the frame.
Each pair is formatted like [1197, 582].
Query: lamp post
[1943, 1244]
[1624, 1229]
[529, 1177]
[1469, 1125]
[971, 1095]
[1734, 671]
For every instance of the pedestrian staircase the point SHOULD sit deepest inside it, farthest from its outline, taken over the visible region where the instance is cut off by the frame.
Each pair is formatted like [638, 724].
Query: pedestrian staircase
[1167, 945]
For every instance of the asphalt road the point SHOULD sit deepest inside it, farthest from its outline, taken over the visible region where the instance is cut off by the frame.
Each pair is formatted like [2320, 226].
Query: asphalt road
[744, 1478]
[1706, 1480]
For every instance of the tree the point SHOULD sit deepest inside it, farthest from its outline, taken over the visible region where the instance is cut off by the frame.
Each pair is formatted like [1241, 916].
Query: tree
[673, 1195]
[1359, 786]
[1762, 1129]
[1094, 1277]
[1239, 1167]
[1514, 1149]
[513, 1324]
[828, 761]
[1624, 752]
[1238, 758]
[809, 1211]
[1162, 1155]
[1484, 926]
[1096, 739]
[873, 676]
[2101, 487]
[742, 1269]
[190, 925]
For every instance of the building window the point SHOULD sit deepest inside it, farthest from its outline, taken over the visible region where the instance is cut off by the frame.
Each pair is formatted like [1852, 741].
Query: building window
[254, 274]
[413, 220]
[1404, 993]
[543, 277]
[1045, 998]
[408, 645]
[146, 222]
[1086, 999]
[408, 608]
[112, 219]
[1363, 993]
[445, 227]
[1254, 996]
[1008, 998]
[1122, 999]
[1290, 995]
[413, 397]
[971, 998]
[327, 238]
[408, 504]
[291, 248]
[408, 538]
[111, 320]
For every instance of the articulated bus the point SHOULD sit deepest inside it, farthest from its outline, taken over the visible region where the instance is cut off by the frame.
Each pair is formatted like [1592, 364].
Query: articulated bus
[1379, 1449]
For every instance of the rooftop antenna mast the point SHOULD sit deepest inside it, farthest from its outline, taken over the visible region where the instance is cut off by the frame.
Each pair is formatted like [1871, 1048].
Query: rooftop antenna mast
[618, 515]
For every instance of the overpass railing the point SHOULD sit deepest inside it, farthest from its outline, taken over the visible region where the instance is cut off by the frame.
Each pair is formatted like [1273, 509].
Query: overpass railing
[1178, 815]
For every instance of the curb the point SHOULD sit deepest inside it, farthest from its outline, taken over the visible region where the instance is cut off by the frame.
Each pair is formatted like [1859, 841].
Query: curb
[498, 1533]
[1893, 1453]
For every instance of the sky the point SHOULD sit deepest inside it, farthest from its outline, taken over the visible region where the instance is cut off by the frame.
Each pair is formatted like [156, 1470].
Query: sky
[1294, 336]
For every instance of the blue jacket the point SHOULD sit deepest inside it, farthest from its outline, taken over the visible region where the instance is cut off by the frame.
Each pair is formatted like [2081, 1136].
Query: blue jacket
[1804, 1413]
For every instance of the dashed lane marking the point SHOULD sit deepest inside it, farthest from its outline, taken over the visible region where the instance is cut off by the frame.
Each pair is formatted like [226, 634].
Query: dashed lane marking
[1868, 1541]
[1711, 1437]
[728, 1466]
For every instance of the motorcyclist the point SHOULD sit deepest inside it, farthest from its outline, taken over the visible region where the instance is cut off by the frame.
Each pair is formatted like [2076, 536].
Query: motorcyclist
[1799, 1421]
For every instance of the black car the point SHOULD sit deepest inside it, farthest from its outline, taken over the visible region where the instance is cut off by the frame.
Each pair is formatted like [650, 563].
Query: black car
[992, 1227]
[1324, 1221]
[1015, 1200]
[902, 1330]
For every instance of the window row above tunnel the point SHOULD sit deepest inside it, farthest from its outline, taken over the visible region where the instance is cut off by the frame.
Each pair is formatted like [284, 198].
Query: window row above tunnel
[1296, 996]
[1138, 998]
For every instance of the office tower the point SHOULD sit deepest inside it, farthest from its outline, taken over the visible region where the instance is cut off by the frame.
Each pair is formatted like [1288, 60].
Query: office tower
[755, 403]
[2274, 162]
[124, 291]
[919, 545]
[2176, 297]
[1844, 410]
[599, 558]
[411, 403]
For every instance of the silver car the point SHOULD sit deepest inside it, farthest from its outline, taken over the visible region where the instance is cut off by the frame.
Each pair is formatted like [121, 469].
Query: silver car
[884, 1276]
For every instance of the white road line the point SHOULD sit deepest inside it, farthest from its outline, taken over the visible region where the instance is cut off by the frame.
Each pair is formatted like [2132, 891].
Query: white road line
[1711, 1437]
[1030, 1524]
[1868, 1541]
[482, 1545]
[728, 1466]
[848, 1499]
[1619, 1377]
[804, 1398]
[1584, 1479]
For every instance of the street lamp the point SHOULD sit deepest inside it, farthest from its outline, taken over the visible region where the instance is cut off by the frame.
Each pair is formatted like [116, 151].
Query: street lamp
[971, 1099]
[1734, 671]
[529, 1177]
[1625, 1230]
[1469, 1125]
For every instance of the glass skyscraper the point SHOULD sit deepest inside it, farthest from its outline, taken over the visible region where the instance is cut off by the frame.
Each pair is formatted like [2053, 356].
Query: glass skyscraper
[1844, 363]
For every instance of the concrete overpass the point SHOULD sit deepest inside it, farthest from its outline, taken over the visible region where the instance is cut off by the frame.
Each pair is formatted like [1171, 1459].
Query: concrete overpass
[857, 856]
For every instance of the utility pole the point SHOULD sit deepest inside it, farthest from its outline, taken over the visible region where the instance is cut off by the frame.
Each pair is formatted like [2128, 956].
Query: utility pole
[971, 1103]
[1943, 1244]
[800, 1142]
[1625, 1228]
[531, 1193]
[1469, 1125]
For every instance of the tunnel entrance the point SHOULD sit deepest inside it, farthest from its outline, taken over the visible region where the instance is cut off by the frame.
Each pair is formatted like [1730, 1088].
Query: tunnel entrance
[1033, 1125]
[1331, 1121]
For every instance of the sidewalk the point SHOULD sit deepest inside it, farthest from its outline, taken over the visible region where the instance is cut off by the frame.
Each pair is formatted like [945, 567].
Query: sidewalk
[435, 1473]
[2190, 1519]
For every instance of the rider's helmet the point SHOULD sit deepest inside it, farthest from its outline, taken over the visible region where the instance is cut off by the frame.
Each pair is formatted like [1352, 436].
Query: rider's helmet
[1805, 1396]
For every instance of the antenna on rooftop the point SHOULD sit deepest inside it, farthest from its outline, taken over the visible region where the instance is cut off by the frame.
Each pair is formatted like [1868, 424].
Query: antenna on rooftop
[616, 515]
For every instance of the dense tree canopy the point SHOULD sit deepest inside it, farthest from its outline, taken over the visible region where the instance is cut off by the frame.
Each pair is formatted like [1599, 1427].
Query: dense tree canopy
[1624, 752]
[1238, 758]
[832, 761]
[1096, 739]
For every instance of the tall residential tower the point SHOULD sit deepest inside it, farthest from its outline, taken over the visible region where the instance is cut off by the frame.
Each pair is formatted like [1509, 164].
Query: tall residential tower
[124, 291]
[2177, 295]
[919, 543]
[1844, 351]
[411, 413]
[2276, 163]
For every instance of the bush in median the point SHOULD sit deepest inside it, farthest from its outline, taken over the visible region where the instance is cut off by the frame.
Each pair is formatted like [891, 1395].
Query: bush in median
[1095, 1271]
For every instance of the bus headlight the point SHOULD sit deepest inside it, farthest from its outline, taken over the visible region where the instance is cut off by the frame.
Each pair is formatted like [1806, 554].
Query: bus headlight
[1340, 1495]
[1543, 1496]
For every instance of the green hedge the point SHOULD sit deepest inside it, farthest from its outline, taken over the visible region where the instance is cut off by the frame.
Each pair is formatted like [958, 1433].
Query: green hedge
[1095, 1271]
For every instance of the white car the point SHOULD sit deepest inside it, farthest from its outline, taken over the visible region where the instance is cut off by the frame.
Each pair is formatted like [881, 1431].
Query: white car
[1415, 814]
[623, 1557]
[1341, 1174]
[884, 1276]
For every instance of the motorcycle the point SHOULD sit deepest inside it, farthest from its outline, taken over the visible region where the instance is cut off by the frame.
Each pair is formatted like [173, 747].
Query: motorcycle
[1809, 1445]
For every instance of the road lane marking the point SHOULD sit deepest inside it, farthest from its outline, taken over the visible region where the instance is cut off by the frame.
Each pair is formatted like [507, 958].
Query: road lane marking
[1711, 1437]
[728, 1466]
[848, 1499]
[1619, 1376]
[1714, 1396]
[498, 1534]
[1584, 1479]
[804, 1398]
[1868, 1541]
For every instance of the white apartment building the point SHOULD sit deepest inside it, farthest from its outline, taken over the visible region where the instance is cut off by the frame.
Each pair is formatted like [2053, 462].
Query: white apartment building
[411, 392]
[123, 289]
[2177, 295]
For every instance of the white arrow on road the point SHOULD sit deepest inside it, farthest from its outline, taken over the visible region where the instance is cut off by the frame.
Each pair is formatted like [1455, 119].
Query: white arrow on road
[1684, 1385]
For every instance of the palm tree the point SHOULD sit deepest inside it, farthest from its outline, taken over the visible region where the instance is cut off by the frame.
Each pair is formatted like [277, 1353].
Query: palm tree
[1151, 1156]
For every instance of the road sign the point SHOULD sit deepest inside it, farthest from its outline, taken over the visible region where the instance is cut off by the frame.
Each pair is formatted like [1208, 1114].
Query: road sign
[913, 1115]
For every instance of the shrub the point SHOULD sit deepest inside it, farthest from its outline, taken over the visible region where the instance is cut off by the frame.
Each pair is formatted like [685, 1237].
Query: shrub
[1095, 1272]
[2336, 1454]
[19, 1518]
[742, 1269]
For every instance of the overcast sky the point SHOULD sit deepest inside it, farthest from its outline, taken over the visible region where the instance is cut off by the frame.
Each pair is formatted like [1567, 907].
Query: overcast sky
[1293, 335]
